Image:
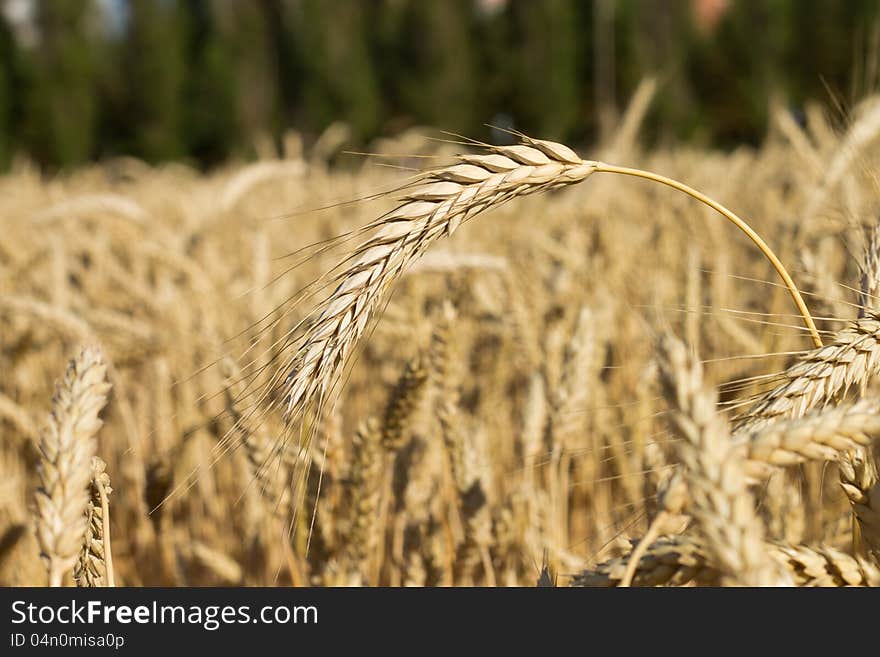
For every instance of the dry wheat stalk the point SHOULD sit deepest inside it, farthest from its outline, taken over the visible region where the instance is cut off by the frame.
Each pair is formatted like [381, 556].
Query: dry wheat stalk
[722, 507]
[95, 564]
[364, 489]
[67, 445]
[570, 397]
[468, 467]
[682, 560]
[467, 461]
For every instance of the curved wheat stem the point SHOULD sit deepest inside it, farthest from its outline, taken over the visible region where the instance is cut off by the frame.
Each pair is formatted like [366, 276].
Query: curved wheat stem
[739, 223]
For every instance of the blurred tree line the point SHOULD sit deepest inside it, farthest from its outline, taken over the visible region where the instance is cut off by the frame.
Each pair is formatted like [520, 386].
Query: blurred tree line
[198, 79]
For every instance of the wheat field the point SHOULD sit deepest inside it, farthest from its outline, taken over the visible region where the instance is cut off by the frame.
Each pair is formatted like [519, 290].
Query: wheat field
[291, 373]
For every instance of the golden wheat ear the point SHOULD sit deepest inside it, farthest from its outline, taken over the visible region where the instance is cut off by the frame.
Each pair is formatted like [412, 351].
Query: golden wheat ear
[67, 446]
[720, 502]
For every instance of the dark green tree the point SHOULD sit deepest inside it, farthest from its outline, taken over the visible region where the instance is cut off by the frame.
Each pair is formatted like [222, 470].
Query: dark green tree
[548, 96]
[249, 33]
[8, 59]
[155, 74]
[211, 120]
[60, 102]
[336, 49]
[437, 75]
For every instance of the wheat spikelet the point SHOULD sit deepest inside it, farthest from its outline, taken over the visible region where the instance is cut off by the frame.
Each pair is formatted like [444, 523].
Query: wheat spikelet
[721, 504]
[682, 560]
[821, 375]
[468, 464]
[820, 436]
[95, 564]
[66, 449]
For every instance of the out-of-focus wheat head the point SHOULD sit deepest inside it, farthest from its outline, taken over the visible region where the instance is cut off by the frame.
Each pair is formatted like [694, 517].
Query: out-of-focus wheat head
[67, 446]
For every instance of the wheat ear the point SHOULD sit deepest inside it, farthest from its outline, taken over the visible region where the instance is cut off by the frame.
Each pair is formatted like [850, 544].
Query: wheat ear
[403, 403]
[820, 436]
[720, 502]
[821, 375]
[858, 468]
[67, 446]
[364, 492]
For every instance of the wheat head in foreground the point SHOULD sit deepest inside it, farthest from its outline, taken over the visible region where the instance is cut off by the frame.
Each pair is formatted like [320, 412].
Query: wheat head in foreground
[433, 205]
[67, 446]
[722, 506]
